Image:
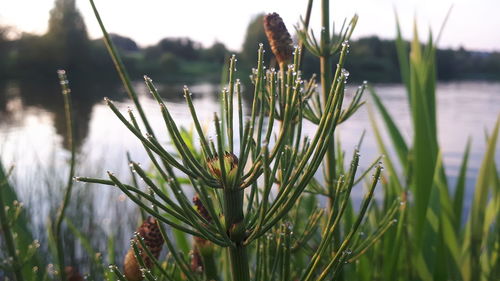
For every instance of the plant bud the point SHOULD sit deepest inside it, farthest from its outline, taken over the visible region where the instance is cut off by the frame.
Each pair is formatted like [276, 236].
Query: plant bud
[237, 231]
[72, 274]
[279, 38]
[150, 232]
[230, 166]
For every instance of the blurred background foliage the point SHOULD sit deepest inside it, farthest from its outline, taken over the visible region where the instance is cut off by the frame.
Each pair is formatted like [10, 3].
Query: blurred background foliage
[66, 45]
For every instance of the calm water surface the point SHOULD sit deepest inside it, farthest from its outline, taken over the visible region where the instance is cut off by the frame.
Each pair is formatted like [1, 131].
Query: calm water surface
[32, 130]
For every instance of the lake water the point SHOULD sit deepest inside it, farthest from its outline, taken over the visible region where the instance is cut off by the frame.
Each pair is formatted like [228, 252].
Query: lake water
[32, 129]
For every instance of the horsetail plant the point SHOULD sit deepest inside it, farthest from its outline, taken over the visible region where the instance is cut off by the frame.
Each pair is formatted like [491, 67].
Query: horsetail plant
[250, 178]
[57, 232]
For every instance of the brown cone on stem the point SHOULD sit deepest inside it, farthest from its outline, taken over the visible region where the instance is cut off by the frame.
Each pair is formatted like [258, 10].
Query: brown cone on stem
[150, 232]
[279, 38]
[196, 259]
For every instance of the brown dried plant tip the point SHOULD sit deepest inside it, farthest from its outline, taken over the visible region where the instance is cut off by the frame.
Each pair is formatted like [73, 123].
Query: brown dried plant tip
[201, 209]
[279, 38]
[72, 274]
[196, 261]
[150, 232]
[201, 242]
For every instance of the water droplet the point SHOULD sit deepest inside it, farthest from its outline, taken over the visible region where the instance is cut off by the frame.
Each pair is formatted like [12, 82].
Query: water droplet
[345, 72]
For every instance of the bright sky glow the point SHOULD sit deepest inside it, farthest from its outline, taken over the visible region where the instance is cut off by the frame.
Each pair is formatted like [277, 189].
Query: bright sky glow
[474, 24]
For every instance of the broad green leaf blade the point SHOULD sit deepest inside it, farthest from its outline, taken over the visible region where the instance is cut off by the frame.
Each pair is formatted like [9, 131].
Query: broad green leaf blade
[383, 149]
[458, 199]
[425, 139]
[478, 211]
[402, 51]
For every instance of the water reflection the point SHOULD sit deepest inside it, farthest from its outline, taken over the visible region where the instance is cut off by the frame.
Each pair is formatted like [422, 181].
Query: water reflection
[20, 99]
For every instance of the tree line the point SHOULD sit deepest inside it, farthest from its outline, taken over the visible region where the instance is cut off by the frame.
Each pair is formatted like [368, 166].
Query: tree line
[67, 45]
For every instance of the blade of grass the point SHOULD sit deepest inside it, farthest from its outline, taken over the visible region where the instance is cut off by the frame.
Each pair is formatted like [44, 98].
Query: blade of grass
[458, 199]
[477, 216]
[69, 186]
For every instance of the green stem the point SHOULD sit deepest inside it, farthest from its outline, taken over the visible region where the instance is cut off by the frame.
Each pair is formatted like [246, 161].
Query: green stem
[306, 27]
[239, 263]
[330, 154]
[326, 82]
[69, 186]
[326, 78]
[9, 239]
[233, 205]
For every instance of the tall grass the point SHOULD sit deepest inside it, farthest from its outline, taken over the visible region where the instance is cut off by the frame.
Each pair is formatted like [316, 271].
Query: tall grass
[432, 242]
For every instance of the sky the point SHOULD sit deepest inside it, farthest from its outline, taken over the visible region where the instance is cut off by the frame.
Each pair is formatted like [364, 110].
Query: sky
[473, 24]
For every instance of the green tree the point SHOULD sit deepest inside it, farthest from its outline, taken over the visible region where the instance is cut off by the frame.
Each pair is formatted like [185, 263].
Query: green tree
[4, 50]
[169, 63]
[67, 36]
[65, 46]
[217, 53]
[184, 48]
[255, 34]
[124, 44]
